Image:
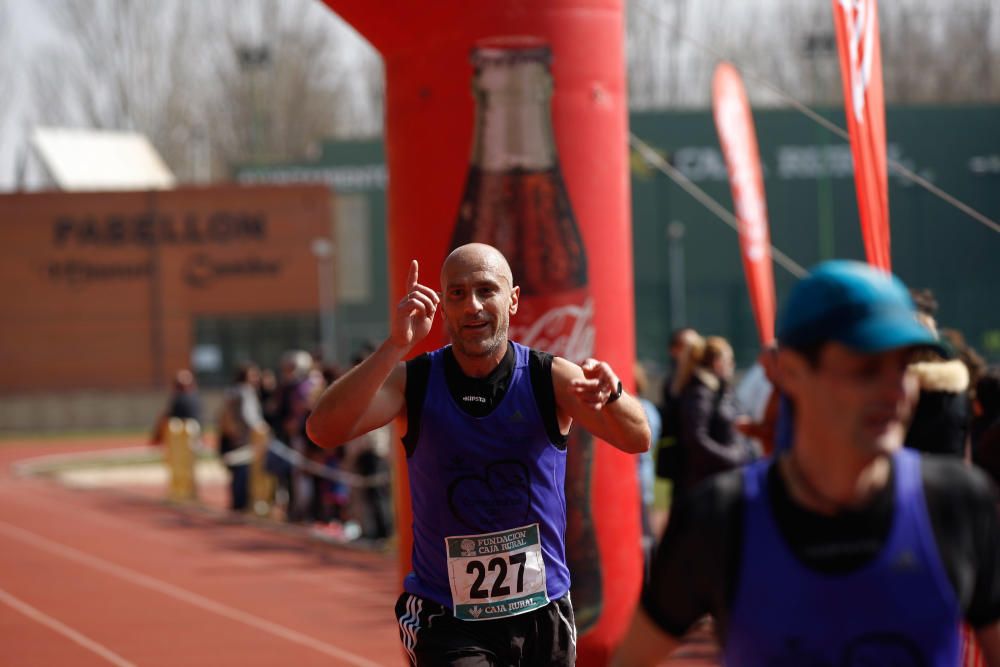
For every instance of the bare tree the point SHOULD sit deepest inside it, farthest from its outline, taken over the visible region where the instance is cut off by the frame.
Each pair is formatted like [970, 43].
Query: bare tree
[211, 85]
[289, 74]
[654, 53]
[215, 84]
[940, 53]
[114, 67]
[931, 51]
[6, 74]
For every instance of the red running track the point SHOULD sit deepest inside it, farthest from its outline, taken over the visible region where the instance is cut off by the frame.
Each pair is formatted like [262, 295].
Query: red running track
[105, 577]
[114, 577]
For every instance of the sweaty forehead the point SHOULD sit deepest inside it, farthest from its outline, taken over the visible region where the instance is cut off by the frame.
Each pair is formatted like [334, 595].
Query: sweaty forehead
[476, 267]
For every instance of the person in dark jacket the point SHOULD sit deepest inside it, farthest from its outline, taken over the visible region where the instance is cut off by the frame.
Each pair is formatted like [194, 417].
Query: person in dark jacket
[668, 458]
[184, 403]
[239, 417]
[986, 423]
[941, 418]
[680, 340]
[708, 436]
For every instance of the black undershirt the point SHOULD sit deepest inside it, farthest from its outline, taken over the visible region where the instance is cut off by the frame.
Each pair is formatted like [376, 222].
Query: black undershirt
[832, 544]
[478, 397]
[696, 567]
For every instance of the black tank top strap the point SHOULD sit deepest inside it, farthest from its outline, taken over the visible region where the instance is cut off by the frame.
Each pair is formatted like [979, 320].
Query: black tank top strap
[540, 368]
[418, 371]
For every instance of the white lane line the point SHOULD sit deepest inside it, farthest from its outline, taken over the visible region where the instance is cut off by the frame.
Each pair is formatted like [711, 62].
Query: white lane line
[28, 466]
[63, 629]
[185, 596]
[322, 582]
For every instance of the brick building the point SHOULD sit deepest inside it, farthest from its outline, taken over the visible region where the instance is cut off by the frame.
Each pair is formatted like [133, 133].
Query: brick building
[112, 292]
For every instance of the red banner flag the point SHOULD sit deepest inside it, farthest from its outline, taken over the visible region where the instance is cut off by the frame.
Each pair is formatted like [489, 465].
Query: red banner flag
[861, 72]
[734, 125]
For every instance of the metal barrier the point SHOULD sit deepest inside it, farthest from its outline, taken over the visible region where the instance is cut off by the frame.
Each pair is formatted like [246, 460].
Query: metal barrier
[258, 458]
[182, 437]
[262, 483]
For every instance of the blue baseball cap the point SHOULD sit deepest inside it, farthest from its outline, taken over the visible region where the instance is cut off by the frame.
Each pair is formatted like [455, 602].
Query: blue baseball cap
[854, 304]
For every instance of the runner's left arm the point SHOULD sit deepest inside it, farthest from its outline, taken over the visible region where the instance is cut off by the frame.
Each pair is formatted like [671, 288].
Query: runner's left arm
[581, 395]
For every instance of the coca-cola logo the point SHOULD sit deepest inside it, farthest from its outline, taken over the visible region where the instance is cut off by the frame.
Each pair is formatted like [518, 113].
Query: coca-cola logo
[859, 19]
[566, 331]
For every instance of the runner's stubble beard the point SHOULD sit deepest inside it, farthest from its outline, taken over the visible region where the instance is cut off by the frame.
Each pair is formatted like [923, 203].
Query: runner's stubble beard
[481, 348]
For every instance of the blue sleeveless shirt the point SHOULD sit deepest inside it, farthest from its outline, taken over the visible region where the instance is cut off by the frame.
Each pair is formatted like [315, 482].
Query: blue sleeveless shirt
[497, 483]
[899, 609]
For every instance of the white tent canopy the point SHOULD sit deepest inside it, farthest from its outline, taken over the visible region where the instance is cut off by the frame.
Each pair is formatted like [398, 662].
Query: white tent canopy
[81, 160]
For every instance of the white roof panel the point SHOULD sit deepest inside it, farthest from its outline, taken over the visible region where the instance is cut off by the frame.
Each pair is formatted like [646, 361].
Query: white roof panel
[100, 160]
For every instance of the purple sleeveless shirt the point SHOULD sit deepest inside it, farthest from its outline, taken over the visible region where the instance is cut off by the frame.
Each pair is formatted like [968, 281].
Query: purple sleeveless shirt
[899, 609]
[476, 476]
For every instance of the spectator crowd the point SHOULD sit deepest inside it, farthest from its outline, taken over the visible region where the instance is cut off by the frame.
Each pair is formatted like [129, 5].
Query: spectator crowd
[343, 494]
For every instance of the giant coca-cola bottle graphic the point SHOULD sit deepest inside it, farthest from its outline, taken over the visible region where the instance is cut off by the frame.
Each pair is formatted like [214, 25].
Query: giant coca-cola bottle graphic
[516, 201]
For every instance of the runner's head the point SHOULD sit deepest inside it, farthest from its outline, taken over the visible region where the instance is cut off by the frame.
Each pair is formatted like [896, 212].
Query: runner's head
[846, 336]
[478, 297]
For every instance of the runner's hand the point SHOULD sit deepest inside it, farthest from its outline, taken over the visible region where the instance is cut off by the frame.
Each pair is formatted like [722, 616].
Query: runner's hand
[598, 382]
[415, 312]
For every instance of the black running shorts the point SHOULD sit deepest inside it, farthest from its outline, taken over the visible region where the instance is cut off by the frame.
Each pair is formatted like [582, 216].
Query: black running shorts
[433, 637]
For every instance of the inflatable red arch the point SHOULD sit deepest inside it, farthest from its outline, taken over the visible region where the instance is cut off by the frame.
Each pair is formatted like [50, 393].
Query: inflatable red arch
[506, 122]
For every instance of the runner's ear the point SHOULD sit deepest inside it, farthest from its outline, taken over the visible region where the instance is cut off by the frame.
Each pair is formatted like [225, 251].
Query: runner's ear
[790, 370]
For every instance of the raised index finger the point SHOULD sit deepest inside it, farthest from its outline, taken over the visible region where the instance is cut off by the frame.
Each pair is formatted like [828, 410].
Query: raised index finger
[411, 277]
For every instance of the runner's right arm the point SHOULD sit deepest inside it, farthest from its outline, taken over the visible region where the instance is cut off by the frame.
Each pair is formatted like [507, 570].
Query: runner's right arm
[693, 572]
[372, 393]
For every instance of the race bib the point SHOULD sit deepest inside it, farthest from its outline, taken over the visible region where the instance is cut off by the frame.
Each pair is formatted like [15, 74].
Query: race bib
[496, 574]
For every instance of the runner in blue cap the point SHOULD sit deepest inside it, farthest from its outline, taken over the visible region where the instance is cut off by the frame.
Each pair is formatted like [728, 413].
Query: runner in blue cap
[845, 549]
